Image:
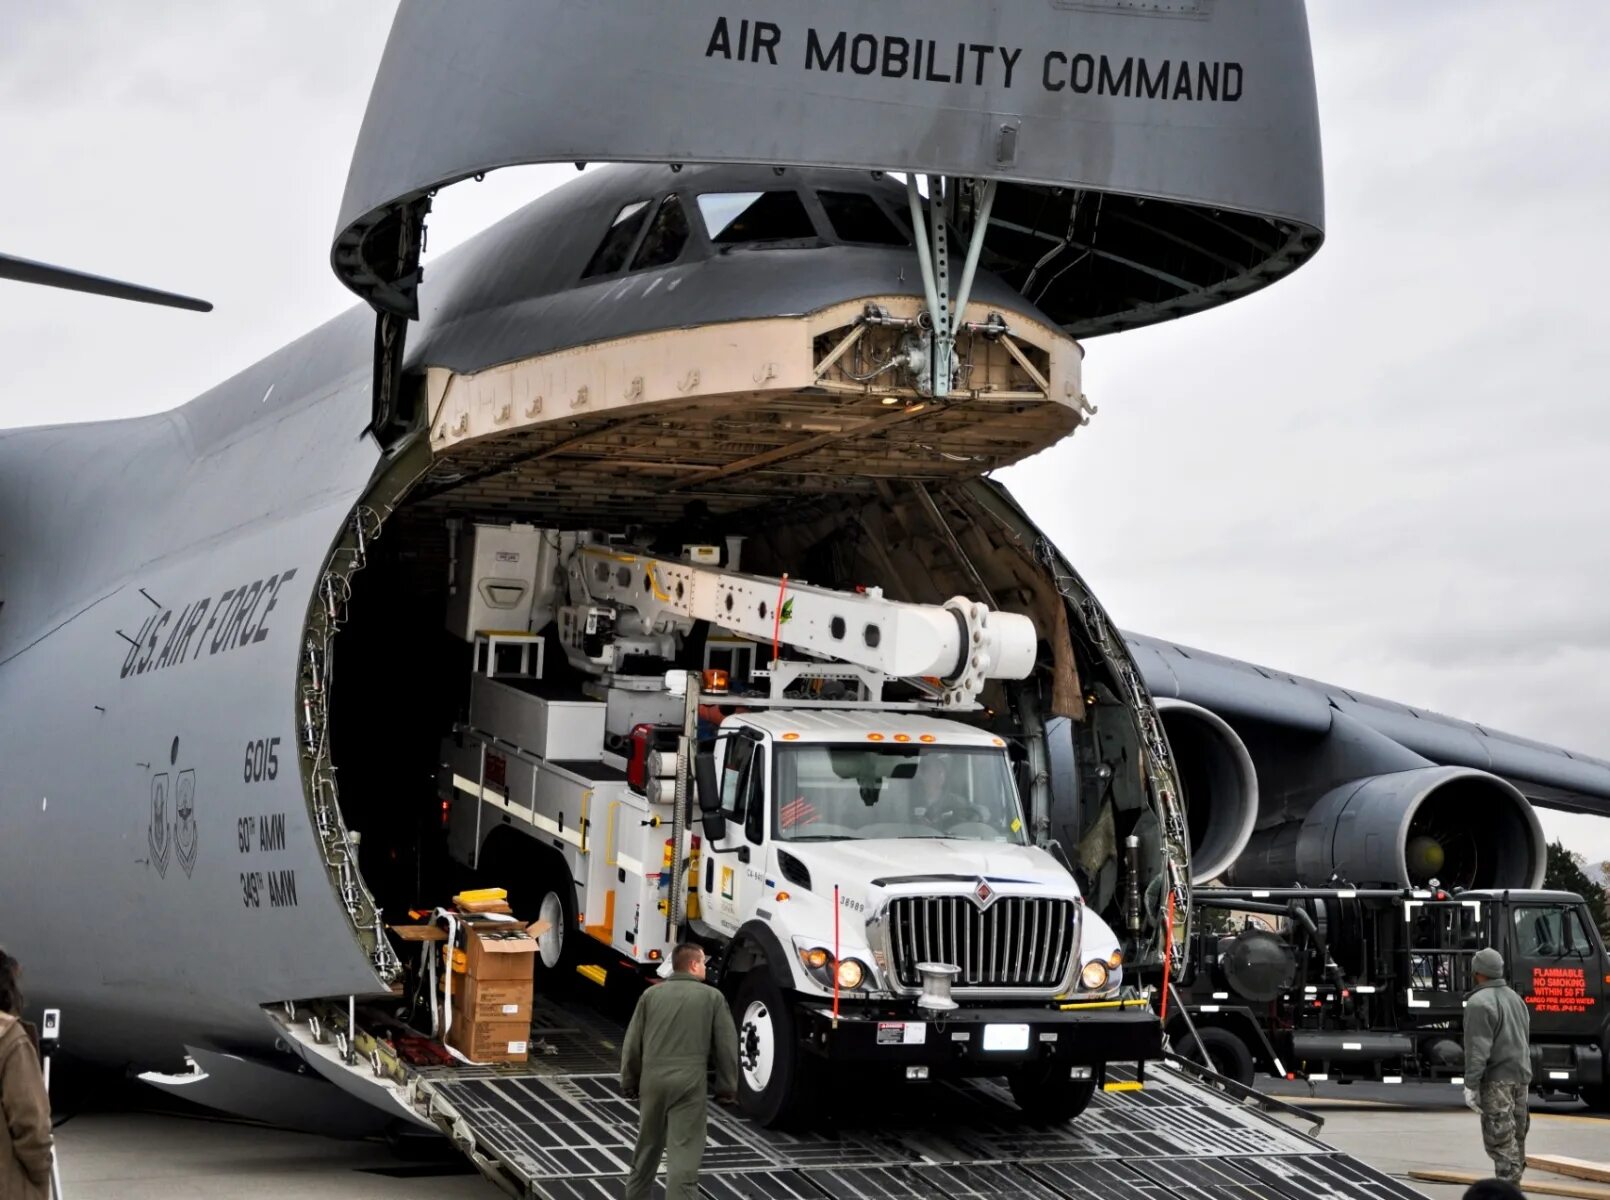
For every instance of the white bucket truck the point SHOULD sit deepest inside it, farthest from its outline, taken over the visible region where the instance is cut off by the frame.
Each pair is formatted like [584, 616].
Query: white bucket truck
[859, 867]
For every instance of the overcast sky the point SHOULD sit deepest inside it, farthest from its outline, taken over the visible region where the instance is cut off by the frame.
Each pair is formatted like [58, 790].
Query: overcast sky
[1391, 470]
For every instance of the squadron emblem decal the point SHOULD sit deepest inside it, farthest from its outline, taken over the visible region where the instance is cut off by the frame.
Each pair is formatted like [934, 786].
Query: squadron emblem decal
[171, 828]
[157, 831]
[184, 820]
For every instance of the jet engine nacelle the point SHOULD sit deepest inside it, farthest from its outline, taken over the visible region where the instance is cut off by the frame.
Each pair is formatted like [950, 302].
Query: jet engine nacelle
[1220, 782]
[1459, 826]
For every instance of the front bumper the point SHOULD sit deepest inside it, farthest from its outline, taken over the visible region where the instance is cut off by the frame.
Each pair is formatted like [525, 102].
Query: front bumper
[983, 1041]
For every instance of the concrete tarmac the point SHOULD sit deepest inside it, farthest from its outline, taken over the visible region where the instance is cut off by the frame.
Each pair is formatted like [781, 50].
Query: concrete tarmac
[162, 1156]
[1402, 1127]
[149, 1154]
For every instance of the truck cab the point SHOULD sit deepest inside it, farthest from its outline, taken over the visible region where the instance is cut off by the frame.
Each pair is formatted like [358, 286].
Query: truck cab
[872, 894]
[1556, 960]
[1354, 983]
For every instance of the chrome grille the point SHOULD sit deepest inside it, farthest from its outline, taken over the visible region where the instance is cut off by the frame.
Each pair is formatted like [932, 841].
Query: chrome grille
[1014, 942]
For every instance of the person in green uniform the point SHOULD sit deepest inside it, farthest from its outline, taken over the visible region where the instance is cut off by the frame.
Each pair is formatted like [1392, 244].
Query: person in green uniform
[680, 1029]
[1498, 1064]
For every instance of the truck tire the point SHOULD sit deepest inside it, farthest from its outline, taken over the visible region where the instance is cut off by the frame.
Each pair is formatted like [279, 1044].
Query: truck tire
[774, 1075]
[559, 944]
[1221, 1050]
[539, 887]
[1045, 1092]
[1596, 1096]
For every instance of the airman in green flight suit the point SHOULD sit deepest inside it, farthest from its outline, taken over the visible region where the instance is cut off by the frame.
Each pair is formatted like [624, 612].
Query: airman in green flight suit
[680, 1029]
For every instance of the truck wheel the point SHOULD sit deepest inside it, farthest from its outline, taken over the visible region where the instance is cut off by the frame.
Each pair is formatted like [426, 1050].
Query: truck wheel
[539, 887]
[557, 946]
[773, 1085]
[1044, 1091]
[1225, 1053]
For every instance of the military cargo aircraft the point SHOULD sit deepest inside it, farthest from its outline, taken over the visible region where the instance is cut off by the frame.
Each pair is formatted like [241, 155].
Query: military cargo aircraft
[223, 670]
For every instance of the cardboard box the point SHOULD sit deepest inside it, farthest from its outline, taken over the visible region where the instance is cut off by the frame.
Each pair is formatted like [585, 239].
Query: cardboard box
[490, 1041]
[492, 1000]
[499, 950]
[509, 956]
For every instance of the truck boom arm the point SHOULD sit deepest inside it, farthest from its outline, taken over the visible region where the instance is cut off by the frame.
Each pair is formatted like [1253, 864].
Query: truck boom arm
[962, 643]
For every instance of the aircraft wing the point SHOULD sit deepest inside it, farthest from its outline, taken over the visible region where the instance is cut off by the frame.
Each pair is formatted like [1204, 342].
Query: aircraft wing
[26, 270]
[1549, 776]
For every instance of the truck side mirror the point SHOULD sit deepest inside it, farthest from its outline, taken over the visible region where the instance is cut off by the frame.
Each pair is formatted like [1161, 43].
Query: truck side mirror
[704, 778]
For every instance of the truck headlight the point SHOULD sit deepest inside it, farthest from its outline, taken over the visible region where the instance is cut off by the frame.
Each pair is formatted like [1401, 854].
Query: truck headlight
[821, 966]
[1094, 976]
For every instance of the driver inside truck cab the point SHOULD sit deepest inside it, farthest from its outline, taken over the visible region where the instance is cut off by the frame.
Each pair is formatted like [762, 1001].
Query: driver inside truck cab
[942, 788]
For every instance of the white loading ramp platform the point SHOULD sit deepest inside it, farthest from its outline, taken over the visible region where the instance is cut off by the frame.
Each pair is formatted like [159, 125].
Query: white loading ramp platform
[558, 1128]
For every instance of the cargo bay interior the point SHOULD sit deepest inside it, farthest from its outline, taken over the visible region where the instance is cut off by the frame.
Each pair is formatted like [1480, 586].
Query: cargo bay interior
[841, 488]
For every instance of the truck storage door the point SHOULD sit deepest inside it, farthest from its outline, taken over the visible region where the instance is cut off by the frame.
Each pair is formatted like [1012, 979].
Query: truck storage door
[732, 867]
[1556, 964]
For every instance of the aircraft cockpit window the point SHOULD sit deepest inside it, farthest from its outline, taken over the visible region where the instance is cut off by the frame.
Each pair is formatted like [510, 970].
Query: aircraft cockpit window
[857, 217]
[617, 244]
[733, 217]
[666, 237]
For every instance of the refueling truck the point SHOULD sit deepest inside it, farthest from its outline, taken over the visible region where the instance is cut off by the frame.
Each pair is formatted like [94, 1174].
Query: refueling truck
[1348, 984]
[802, 779]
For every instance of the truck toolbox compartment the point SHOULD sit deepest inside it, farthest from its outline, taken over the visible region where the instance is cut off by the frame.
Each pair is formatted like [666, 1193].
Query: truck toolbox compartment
[514, 710]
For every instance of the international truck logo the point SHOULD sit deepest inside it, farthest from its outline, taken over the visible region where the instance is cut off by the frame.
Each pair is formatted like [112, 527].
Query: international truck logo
[983, 893]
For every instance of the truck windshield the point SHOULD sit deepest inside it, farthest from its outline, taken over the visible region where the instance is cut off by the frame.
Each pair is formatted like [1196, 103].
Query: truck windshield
[828, 793]
[1551, 931]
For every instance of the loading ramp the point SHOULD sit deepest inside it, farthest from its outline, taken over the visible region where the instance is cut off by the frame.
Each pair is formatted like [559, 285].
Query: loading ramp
[558, 1128]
